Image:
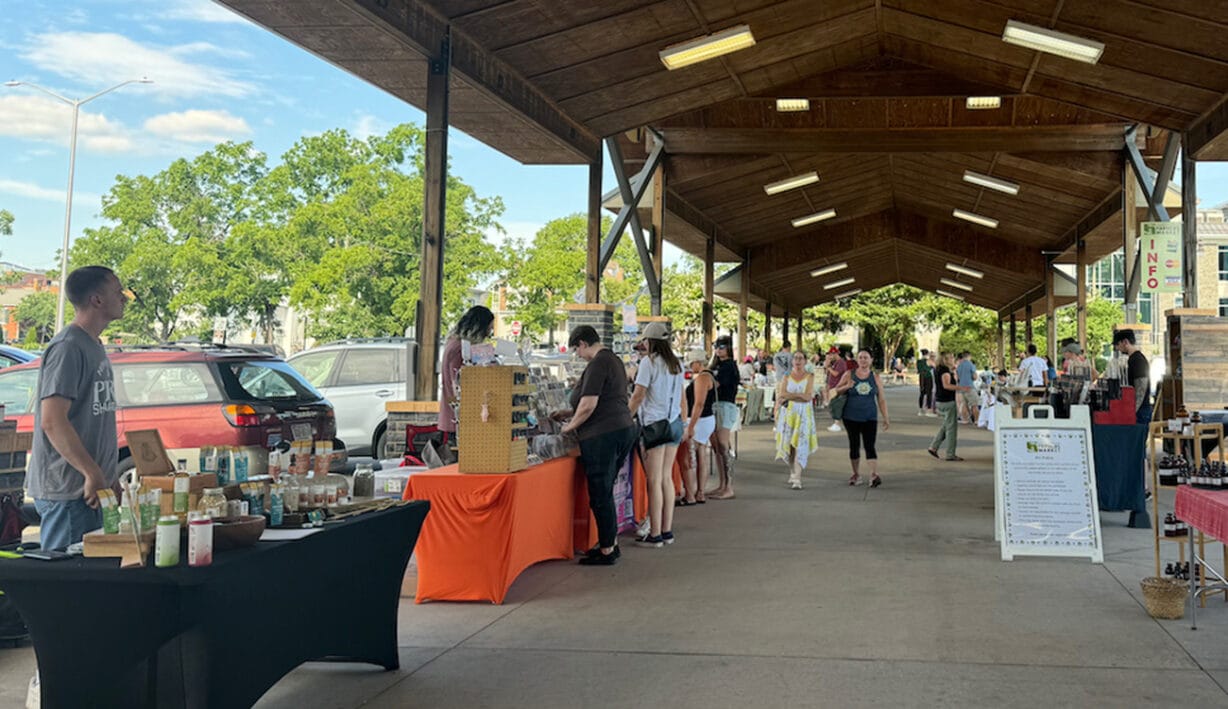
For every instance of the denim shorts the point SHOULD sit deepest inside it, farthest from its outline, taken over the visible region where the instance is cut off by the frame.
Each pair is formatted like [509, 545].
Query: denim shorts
[728, 416]
[64, 522]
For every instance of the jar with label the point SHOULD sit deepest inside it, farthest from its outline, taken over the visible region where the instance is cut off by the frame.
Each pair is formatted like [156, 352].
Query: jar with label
[181, 490]
[213, 503]
[166, 543]
[200, 541]
[289, 493]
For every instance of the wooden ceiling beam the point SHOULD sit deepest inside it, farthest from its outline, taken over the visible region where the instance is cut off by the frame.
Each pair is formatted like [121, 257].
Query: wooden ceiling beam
[913, 81]
[1207, 137]
[925, 140]
[417, 25]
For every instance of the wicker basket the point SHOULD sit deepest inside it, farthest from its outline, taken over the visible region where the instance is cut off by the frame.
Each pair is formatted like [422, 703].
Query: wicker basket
[1164, 598]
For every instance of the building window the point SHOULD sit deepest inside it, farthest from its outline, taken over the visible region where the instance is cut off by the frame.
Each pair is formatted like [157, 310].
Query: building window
[1144, 307]
[1223, 307]
[1179, 300]
[1223, 262]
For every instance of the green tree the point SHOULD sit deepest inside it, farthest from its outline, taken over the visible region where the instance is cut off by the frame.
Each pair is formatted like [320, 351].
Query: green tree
[35, 315]
[6, 222]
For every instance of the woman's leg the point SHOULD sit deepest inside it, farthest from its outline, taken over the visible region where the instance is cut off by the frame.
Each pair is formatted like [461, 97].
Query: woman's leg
[869, 435]
[656, 503]
[601, 460]
[952, 424]
[703, 466]
[689, 464]
[941, 436]
[854, 434]
[668, 453]
[720, 444]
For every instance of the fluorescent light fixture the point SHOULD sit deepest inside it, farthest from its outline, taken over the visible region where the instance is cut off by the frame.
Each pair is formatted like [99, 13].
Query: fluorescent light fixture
[812, 218]
[792, 105]
[974, 218]
[992, 183]
[848, 294]
[792, 183]
[955, 284]
[707, 47]
[981, 103]
[839, 284]
[949, 294]
[829, 269]
[964, 270]
[1050, 41]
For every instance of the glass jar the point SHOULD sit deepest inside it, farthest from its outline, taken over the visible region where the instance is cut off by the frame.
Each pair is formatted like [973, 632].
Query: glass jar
[364, 481]
[291, 493]
[338, 488]
[212, 503]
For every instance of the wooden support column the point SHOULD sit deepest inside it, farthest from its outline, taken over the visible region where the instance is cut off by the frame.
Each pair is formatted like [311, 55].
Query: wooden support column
[799, 329]
[1014, 342]
[744, 308]
[1001, 346]
[1050, 316]
[1081, 295]
[767, 326]
[434, 219]
[1129, 243]
[784, 327]
[1189, 235]
[658, 232]
[1027, 326]
[592, 261]
[709, 323]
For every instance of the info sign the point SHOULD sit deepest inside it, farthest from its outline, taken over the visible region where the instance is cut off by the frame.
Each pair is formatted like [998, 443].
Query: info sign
[1045, 484]
[1161, 254]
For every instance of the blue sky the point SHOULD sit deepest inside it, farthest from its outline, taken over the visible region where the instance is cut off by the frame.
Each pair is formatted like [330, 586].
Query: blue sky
[217, 77]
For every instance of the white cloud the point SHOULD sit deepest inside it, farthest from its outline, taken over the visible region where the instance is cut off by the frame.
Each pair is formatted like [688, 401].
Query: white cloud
[29, 190]
[100, 59]
[200, 11]
[45, 119]
[208, 48]
[367, 125]
[196, 126]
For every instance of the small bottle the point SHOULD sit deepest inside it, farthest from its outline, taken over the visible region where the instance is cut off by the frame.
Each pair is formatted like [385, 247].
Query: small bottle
[1168, 569]
[276, 502]
[223, 465]
[182, 488]
[167, 542]
[213, 503]
[1170, 526]
[200, 540]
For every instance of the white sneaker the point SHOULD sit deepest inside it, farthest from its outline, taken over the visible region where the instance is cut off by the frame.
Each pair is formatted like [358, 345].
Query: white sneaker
[835, 428]
[796, 486]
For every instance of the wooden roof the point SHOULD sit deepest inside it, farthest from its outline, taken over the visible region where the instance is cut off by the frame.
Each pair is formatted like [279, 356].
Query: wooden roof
[887, 131]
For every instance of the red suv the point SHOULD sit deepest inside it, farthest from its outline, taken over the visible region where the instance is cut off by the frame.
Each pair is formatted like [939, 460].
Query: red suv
[195, 396]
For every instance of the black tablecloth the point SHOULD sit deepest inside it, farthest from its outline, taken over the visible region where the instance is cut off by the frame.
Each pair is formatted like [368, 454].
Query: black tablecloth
[1118, 451]
[221, 635]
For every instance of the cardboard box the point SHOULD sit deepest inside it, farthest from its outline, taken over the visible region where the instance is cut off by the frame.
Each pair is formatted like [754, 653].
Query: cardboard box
[149, 453]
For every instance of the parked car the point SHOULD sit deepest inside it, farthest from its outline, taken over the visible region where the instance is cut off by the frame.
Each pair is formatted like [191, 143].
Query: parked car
[195, 396]
[359, 376]
[10, 356]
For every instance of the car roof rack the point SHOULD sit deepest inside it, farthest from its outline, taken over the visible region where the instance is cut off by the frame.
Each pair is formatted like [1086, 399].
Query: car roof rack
[368, 341]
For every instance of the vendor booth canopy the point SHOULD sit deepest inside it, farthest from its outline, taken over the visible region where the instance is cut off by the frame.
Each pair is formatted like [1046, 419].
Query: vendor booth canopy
[889, 123]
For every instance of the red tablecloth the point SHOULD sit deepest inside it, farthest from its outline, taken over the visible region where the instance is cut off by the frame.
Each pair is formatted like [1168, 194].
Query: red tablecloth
[1204, 510]
[483, 530]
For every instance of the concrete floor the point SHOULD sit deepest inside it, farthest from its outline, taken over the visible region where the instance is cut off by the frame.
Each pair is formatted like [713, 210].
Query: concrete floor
[831, 596]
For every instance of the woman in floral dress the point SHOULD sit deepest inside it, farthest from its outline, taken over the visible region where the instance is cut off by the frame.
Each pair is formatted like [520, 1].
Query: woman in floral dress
[795, 433]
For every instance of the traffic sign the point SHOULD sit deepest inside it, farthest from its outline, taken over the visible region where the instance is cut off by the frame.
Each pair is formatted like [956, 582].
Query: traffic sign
[515, 328]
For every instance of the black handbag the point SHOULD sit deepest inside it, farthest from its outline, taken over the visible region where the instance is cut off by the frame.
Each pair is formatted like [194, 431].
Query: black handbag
[658, 433]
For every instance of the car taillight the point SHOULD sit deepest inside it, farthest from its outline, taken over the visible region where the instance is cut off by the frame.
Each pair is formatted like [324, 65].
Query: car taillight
[244, 415]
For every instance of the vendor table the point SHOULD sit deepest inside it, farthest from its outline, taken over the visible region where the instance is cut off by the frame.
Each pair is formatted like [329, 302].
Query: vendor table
[220, 635]
[486, 529]
[1207, 512]
[1118, 451]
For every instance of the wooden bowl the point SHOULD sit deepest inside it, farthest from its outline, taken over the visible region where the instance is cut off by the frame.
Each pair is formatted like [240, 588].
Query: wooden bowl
[237, 532]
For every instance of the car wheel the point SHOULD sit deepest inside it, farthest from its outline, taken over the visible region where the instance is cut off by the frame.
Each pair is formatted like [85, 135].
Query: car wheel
[125, 468]
[378, 452]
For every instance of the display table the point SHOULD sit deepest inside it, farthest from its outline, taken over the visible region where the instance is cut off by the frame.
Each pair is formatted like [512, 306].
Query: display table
[486, 529]
[221, 635]
[1118, 451]
[1207, 512]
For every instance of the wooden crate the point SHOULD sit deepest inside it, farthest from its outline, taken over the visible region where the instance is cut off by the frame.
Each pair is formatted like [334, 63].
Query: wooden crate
[489, 446]
[1197, 341]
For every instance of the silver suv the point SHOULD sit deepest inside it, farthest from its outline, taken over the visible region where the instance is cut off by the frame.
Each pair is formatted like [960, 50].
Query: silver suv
[359, 376]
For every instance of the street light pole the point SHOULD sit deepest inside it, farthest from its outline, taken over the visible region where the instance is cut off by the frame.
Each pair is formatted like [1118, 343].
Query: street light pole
[72, 170]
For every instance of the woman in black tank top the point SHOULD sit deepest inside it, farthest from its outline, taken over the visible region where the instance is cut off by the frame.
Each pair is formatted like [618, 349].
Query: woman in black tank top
[700, 424]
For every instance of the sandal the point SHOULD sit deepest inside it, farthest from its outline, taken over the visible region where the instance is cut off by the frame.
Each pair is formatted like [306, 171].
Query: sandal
[932, 452]
[876, 481]
[682, 502]
[954, 459]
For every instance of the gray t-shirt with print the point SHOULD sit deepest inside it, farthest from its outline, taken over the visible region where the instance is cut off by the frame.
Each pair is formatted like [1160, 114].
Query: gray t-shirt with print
[75, 366]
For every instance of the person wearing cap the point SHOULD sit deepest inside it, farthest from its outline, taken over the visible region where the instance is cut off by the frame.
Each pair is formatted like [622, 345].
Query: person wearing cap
[657, 400]
[747, 371]
[728, 417]
[1138, 373]
[795, 435]
[1075, 363]
[700, 425]
[600, 419]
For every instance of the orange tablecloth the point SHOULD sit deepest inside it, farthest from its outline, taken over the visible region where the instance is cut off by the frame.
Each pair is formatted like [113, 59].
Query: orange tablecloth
[483, 530]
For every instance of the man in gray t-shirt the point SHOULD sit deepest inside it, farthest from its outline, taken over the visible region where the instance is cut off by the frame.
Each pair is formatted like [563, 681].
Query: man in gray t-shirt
[75, 453]
[783, 361]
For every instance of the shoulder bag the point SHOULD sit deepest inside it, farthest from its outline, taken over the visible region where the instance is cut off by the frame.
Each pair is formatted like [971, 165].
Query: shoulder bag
[658, 433]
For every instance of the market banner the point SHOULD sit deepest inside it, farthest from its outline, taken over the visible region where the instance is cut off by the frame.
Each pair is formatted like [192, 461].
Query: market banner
[1161, 254]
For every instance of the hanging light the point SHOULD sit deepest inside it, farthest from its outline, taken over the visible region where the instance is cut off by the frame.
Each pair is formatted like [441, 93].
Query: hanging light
[708, 47]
